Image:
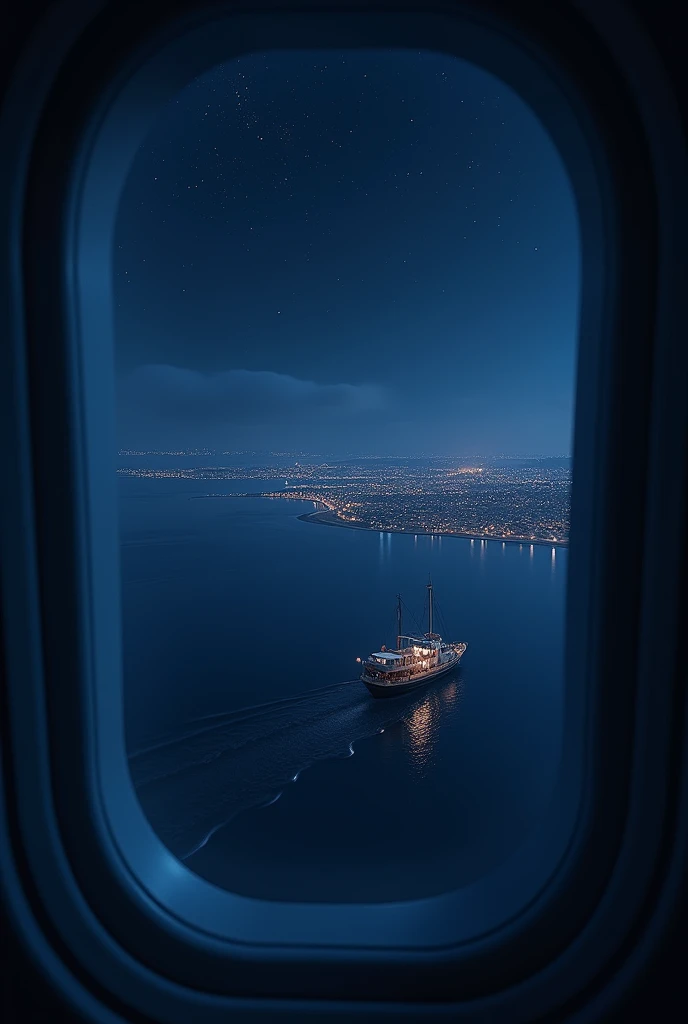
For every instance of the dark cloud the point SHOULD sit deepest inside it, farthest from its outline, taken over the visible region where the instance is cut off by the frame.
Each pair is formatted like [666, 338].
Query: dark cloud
[162, 401]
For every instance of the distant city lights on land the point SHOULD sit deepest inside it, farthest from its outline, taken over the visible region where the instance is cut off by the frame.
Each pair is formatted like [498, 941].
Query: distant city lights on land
[503, 501]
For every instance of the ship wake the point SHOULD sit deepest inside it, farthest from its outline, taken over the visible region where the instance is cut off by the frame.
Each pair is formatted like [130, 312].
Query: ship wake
[223, 764]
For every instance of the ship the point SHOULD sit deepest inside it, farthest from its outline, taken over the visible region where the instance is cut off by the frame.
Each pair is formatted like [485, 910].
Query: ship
[416, 660]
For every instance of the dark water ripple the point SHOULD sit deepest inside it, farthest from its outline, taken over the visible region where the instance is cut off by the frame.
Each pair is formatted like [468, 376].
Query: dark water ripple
[191, 786]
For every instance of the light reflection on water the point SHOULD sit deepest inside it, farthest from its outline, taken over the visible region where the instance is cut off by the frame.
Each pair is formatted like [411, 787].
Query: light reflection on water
[420, 732]
[423, 726]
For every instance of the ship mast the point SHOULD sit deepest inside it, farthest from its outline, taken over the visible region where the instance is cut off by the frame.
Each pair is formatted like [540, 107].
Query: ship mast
[399, 630]
[429, 585]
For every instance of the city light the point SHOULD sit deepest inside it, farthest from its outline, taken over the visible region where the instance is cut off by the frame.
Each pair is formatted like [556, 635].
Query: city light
[509, 502]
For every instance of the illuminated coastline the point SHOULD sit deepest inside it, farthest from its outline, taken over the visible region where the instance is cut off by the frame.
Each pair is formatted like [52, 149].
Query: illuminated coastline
[319, 517]
[513, 503]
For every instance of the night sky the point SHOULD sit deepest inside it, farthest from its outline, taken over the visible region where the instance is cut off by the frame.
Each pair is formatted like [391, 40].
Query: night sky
[347, 252]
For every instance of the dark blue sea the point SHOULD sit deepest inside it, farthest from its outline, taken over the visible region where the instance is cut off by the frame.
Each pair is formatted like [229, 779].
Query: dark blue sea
[258, 757]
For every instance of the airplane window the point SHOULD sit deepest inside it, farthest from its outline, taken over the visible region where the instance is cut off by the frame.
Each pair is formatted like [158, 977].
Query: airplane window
[287, 412]
[346, 288]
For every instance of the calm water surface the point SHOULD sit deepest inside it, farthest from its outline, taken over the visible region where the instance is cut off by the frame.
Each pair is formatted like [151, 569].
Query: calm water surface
[257, 756]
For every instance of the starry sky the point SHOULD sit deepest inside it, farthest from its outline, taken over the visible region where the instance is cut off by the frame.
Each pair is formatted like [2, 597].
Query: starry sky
[358, 252]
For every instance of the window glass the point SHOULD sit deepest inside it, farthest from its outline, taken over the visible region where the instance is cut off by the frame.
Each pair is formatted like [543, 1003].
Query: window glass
[347, 296]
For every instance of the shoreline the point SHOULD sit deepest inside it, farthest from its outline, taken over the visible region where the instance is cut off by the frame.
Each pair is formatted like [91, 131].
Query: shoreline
[328, 517]
[319, 518]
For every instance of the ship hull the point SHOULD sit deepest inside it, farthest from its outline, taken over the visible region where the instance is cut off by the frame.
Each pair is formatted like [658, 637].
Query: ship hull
[387, 690]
